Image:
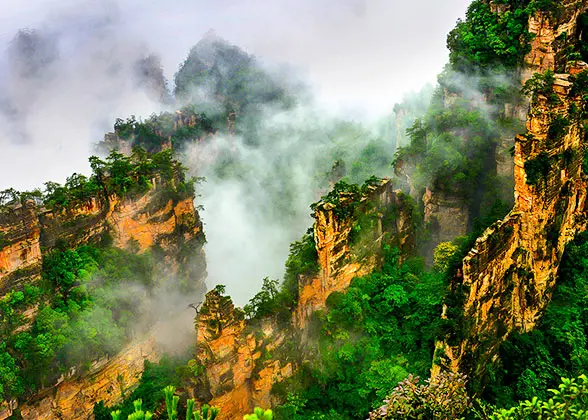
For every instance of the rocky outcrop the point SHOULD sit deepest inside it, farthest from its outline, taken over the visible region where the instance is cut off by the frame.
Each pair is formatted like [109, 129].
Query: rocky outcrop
[107, 380]
[160, 221]
[343, 254]
[446, 215]
[552, 34]
[174, 123]
[241, 360]
[508, 277]
[155, 219]
[20, 250]
[238, 371]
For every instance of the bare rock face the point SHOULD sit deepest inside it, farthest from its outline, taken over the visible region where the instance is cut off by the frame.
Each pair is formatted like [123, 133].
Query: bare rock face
[237, 374]
[20, 251]
[548, 45]
[448, 216]
[508, 277]
[107, 380]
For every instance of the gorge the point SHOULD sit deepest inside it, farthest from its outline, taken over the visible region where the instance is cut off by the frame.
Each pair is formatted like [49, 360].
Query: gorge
[454, 252]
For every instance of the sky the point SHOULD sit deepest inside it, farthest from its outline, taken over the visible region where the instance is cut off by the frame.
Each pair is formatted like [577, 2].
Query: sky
[360, 57]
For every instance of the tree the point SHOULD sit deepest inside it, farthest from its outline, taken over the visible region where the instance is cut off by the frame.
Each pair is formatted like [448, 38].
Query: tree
[11, 384]
[259, 414]
[265, 302]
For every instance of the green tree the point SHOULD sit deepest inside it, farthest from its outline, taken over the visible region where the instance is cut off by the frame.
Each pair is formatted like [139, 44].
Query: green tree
[259, 414]
[570, 401]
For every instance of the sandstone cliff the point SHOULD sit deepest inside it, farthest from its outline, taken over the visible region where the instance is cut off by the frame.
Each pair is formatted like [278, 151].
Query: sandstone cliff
[386, 215]
[160, 221]
[154, 219]
[238, 370]
[20, 250]
[508, 277]
[108, 380]
[241, 360]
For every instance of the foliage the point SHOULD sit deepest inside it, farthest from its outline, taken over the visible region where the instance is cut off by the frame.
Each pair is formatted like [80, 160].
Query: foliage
[206, 412]
[488, 39]
[582, 23]
[444, 397]
[443, 254]
[259, 414]
[580, 91]
[453, 153]
[569, 402]
[344, 197]
[265, 302]
[537, 168]
[302, 261]
[138, 414]
[171, 405]
[11, 382]
[117, 175]
[381, 328]
[82, 315]
[532, 362]
[171, 402]
[558, 127]
[542, 84]
[155, 133]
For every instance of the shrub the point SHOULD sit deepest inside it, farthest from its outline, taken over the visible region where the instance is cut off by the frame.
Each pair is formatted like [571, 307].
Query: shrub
[569, 402]
[444, 397]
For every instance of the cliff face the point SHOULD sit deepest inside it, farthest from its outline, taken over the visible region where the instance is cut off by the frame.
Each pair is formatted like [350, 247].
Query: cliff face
[153, 219]
[242, 359]
[448, 216]
[107, 380]
[342, 257]
[508, 277]
[237, 373]
[20, 250]
[159, 220]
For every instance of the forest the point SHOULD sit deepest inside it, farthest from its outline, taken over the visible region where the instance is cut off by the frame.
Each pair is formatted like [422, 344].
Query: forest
[377, 348]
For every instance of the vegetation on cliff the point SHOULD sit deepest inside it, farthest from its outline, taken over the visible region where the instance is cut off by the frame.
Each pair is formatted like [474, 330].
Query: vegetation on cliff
[117, 175]
[83, 315]
[91, 300]
[369, 338]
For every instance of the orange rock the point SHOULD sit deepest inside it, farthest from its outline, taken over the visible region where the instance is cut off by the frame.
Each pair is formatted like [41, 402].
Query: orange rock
[75, 397]
[509, 275]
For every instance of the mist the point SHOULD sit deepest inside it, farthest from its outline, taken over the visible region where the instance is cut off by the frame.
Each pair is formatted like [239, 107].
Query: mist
[69, 68]
[359, 56]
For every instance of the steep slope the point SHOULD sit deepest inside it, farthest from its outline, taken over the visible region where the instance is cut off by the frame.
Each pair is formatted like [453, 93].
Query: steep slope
[241, 360]
[508, 277]
[159, 224]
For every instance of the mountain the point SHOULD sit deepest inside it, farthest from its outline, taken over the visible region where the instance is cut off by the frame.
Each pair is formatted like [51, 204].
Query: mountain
[465, 262]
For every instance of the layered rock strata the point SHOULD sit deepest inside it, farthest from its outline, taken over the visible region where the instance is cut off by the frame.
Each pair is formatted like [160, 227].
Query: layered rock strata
[508, 277]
